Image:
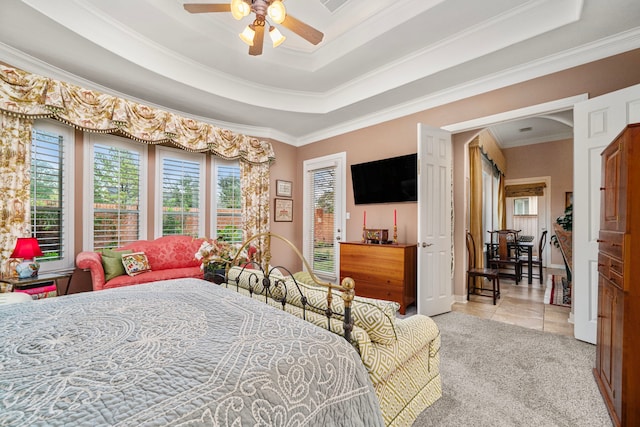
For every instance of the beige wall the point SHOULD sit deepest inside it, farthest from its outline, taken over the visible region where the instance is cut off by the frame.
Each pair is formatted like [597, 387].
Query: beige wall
[553, 159]
[398, 137]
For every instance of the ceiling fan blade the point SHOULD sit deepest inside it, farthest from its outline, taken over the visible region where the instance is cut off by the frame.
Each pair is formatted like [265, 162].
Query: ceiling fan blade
[305, 31]
[207, 8]
[258, 41]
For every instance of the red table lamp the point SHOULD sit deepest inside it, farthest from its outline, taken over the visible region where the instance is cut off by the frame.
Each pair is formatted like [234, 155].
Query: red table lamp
[27, 248]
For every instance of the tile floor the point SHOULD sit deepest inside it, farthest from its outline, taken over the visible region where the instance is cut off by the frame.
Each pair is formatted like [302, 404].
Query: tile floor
[521, 305]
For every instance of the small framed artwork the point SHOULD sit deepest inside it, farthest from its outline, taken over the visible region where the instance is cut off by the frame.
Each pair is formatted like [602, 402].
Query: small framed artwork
[283, 210]
[283, 188]
[568, 199]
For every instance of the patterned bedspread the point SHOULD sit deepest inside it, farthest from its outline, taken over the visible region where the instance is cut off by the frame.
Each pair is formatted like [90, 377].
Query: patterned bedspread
[177, 353]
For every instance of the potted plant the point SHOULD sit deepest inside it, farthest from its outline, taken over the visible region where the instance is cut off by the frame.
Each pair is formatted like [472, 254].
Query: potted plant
[215, 255]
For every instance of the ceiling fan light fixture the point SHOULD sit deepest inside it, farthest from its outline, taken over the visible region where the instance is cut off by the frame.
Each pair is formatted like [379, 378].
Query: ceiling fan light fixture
[239, 9]
[247, 35]
[277, 12]
[276, 36]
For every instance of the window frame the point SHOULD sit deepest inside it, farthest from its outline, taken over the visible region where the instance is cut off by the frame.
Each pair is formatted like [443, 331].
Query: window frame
[88, 210]
[67, 261]
[174, 153]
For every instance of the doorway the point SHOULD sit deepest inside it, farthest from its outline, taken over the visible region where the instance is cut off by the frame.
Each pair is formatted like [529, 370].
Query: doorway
[531, 214]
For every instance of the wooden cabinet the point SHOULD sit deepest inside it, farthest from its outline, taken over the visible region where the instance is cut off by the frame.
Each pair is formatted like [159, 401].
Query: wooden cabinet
[381, 271]
[617, 369]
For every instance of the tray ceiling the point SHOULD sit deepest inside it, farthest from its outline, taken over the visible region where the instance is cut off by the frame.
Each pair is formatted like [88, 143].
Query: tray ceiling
[379, 59]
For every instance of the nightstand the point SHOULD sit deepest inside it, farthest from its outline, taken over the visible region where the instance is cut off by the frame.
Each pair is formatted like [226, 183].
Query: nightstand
[31, 285]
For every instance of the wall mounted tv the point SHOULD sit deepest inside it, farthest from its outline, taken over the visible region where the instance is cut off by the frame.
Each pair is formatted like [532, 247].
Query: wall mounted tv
[386, 181]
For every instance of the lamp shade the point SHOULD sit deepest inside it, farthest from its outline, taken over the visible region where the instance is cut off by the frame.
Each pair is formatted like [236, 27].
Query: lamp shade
[276, 36]
[247, 35]
[277, 11]
[239, 9]
[27, 248]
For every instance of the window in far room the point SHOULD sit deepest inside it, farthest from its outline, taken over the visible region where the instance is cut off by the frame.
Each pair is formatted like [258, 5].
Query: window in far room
[182, 192]
[50, 188]
[227, 221]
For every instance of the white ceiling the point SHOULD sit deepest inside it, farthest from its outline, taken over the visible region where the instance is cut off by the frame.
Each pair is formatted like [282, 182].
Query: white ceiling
[379, 59]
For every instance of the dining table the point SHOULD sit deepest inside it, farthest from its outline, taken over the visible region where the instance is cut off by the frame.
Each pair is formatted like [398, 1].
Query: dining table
[522, 245]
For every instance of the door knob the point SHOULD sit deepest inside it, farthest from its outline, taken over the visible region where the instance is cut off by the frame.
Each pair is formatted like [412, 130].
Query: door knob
[425, 244]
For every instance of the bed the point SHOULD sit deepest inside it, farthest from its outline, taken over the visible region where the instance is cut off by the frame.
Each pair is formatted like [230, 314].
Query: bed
[180, 352]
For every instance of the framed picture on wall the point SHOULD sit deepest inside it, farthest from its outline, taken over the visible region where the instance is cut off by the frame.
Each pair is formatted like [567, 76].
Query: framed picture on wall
[283, 210]
[568, 199]
[283, 188]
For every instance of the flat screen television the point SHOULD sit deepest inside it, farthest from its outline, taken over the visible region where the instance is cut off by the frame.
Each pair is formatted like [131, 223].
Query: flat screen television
[386, 181]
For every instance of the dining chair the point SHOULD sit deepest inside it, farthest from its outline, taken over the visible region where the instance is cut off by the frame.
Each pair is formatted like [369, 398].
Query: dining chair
[485, 273]
[536, 260]
[504, 255]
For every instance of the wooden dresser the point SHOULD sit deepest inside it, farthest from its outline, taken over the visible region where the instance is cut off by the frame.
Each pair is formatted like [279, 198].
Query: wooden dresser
[617, 370]
[381, 271]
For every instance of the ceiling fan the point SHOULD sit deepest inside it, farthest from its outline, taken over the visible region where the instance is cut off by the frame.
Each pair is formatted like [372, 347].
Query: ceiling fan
[253, 34]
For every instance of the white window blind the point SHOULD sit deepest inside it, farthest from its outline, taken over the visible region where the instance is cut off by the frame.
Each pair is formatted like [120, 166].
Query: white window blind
[228, 218]
[47, 186]
[322, 183]
[116, 196]
[180, 197]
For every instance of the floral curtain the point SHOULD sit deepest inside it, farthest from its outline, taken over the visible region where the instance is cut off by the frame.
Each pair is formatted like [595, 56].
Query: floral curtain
[255, 201]
[25, 97]
[15, 168]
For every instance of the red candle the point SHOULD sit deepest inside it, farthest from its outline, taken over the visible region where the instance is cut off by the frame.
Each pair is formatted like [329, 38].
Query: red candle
[364, 220]
[394, 217]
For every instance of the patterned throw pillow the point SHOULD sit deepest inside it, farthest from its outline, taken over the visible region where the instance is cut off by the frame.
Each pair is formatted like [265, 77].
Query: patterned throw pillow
[135, 263]
[112, 263]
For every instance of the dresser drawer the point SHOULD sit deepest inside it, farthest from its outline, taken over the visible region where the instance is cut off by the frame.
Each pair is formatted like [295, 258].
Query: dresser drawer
[379, 291]
[611, 269]
[611, 243]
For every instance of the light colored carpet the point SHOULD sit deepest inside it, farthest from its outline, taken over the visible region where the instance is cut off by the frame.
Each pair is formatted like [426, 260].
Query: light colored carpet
[495, 374]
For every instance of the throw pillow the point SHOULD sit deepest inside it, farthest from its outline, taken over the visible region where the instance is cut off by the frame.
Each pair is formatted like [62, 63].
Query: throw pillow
[112, 263]
[135, 263]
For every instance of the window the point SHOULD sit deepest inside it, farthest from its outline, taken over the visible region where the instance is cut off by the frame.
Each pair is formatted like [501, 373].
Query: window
[228, 202]
[51, 186]
[490, 186]
[323, 207]
[525, 206]
[117, 207]
[181, 192]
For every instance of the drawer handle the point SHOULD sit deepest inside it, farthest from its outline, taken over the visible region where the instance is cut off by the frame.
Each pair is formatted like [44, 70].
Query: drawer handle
[616, 244]
[602, 265]
[600, 241]
[602, 188]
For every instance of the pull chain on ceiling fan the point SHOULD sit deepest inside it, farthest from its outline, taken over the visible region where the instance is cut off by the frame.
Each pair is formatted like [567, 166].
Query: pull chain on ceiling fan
[253, 34]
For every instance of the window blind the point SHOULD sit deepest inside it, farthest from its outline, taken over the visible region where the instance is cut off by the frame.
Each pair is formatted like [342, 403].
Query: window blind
[322, 182]
[180, 197]
[228, 203]
[116, 196]
[46, 193]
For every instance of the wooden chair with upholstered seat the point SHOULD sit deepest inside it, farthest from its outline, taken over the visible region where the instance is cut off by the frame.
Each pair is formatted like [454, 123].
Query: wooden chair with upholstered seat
[485, 273]
[536, 260]
[504, 255]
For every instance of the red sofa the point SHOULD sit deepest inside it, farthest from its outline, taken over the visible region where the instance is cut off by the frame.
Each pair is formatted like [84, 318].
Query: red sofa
[170, 257]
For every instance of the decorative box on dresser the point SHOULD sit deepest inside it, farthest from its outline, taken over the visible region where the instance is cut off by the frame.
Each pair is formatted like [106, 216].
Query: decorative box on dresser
[385, 272]
[617, 370]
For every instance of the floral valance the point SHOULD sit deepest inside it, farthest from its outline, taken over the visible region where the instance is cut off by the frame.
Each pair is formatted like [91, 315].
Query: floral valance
[31, 96]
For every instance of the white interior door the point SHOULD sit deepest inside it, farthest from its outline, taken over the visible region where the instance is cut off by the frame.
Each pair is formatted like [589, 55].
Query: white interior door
[435, 287]
[323, 220]
[597, 122]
